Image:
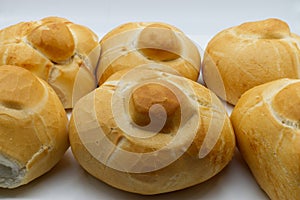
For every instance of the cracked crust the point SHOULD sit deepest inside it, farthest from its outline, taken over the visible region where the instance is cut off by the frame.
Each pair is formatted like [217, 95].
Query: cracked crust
[248, 55]
[62, 53]
[266, 123]
[33, 127]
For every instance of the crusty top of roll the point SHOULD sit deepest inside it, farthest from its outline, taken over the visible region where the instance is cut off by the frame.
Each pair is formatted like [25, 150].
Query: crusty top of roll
[159, 42]
[265, 29]
[15, 97]
[61, 52]
[266, 123]
[147, 95]
[136, 43]
[248, 55]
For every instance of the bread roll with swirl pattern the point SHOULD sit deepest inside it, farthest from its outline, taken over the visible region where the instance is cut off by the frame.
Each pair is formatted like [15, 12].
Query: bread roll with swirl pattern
[147, 131]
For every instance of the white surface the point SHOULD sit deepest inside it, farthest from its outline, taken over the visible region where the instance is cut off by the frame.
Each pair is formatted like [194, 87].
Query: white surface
[199, 19]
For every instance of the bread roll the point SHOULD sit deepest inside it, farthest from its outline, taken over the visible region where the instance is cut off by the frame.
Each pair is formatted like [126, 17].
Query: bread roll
[61, 52]
[147, 131]
[248, 55]
[33, 127]
[137, 43]
[266, 123]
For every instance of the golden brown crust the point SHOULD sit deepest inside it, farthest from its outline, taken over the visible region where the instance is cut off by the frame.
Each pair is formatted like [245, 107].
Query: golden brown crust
[120, 29]
[33, 131]
[15, 33]
[266, 125]
[248, 55]
[136, 43]
[54, 48]
[54, 40]
[284, 106]
[30, 59]
[140, 175]
[159, 42]
[265, 29]
[149, 94]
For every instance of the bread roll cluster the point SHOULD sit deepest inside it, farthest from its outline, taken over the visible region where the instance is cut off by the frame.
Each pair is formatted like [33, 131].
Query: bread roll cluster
[253, 65]
[152, 128]
[149, 127]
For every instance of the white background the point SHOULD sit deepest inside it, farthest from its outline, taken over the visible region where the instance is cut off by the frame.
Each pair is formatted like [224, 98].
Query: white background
[201, 20]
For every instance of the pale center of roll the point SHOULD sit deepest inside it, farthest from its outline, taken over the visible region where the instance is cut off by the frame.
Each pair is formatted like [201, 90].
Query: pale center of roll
[159, 42]
[143, 101]
[287, 102]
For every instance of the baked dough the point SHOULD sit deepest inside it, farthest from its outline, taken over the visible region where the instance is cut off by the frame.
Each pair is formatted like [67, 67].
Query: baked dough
[33, 127]
[147, 131]
[137, 43]
[248, 55]
[61, 52]
[266, 123]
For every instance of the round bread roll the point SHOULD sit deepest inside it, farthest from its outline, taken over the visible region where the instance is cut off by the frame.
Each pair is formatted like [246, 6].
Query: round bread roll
[136, 43]
[266, 123]
[33, 127]
[147, 131]
[248, 55]
[61, 52]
